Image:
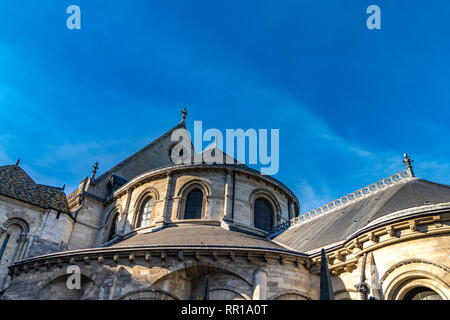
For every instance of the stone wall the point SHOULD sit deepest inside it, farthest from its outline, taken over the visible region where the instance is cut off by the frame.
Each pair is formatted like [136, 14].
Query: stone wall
[416, 253]
[145, 275]
[169, 191]
[28, 230]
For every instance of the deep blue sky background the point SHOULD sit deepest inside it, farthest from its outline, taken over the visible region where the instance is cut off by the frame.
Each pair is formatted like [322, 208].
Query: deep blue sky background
[348, 101]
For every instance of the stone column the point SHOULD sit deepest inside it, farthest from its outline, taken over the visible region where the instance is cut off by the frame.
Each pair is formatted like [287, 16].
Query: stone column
[22, 239]
[292, 210]
[227, 197]
[25, 247]
[165, 217]
[259, 285]
[124, 215]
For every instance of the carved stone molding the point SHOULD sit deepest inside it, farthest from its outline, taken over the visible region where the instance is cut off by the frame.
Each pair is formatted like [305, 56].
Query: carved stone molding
[390, 231]
[413, 225]
[410, 261]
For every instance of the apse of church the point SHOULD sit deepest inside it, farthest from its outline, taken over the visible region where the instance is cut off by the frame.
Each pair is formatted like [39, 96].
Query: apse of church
[151, 229]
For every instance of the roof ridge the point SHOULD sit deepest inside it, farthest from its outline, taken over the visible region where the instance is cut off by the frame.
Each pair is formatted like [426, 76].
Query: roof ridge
[436, 183]
[45, 185]
[18, 167]
[362, 193]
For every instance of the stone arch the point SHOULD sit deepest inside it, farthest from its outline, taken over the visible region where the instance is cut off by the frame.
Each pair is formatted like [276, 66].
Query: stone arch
[140, 201]
[148, 293]
[346, 294]
[406, 275]
[267, 195]
[18, 221]
[109, 223]
[57, 289]
[186, 188]
[233, 290]
[186, 282]
[290, 295]
[192, 183]
[13, 243]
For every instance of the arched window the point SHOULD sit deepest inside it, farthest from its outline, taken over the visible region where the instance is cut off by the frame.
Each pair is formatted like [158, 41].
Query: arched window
[113, 228]
[146, 213]
[263, 214]
[194, 205]
[422, 293]
[13, 241]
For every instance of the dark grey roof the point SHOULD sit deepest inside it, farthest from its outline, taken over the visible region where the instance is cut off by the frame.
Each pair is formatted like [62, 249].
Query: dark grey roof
[197, 235]
[138, 153]
[340, 224]
[16, 183]
[225, 158]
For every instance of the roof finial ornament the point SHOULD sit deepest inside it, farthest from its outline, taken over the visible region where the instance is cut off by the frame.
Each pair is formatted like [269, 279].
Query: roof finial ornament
[63, 187]
[183, 115]
[407, 161]
[18, 162]
[94, 171]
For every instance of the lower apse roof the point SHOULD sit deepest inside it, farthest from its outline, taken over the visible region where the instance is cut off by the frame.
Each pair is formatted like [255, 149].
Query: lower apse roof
[336, 226]
[197, 235]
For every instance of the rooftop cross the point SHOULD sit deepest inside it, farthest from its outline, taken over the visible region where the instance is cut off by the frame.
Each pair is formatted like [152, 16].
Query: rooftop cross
[407, 161]
[183, 115]
[94, 171]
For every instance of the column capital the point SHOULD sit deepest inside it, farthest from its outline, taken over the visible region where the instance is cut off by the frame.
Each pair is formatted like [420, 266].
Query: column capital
[2, 230]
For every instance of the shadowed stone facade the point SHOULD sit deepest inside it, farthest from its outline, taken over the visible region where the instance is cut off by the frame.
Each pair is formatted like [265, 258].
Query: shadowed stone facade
[389, 243]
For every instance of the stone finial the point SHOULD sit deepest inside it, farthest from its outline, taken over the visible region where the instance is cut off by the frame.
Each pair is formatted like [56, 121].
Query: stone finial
[183, 115]
[18, 162]
[94, 171]
[407, 161]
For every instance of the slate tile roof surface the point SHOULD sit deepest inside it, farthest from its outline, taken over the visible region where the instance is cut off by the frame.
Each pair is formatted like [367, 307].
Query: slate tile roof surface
[198, 235]
[138, 153]
[340, 224]
[16, 183]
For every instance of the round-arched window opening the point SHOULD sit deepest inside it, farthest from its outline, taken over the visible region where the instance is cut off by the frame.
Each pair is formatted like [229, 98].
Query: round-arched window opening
[263, 215]
[113, 228]
[146, 213]
[422, 293]
[194, 205]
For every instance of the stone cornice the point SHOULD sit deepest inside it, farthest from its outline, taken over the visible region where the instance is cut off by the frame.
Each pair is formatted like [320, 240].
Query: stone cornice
[126, 255]
[344, 257]
[395, 219]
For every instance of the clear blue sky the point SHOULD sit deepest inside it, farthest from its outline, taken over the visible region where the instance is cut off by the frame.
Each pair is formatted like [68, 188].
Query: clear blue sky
[348, 101]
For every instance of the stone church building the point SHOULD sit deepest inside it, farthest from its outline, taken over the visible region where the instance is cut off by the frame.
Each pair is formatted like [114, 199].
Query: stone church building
[151, 229]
